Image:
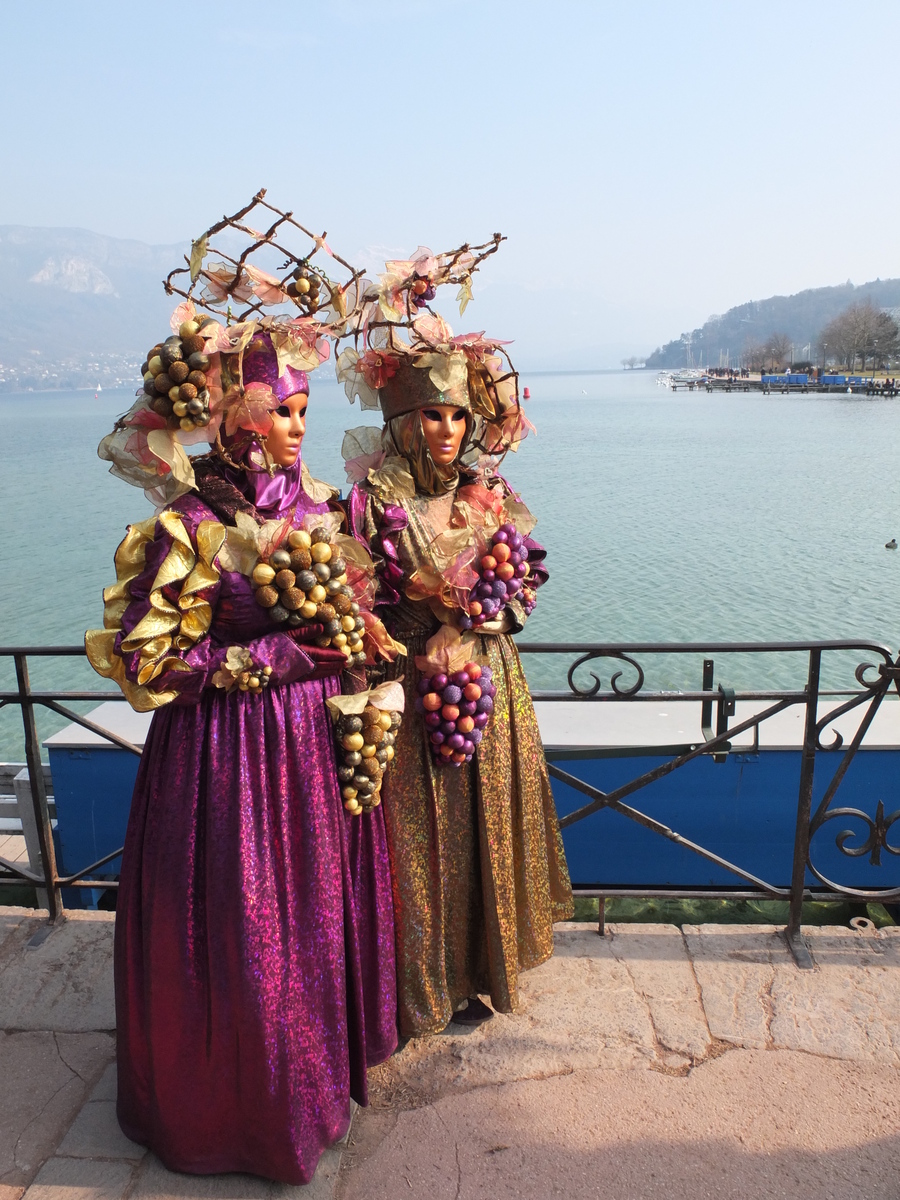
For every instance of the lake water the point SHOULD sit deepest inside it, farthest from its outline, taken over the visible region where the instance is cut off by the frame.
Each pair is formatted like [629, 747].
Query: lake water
[667, 517]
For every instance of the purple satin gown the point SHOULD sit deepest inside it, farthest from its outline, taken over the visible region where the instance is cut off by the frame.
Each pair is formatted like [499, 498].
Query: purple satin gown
[255, 971]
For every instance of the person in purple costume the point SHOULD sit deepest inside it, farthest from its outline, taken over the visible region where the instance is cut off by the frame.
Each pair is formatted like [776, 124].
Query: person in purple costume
[254, 968]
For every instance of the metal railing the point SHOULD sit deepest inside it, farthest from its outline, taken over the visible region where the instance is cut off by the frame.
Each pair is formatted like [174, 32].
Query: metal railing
[873, 679]
[867, 696]
[48, 877]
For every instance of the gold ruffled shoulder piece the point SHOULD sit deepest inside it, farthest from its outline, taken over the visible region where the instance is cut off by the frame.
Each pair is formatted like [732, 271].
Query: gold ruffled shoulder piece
[316, 489]
[166, 626]
[393, 480]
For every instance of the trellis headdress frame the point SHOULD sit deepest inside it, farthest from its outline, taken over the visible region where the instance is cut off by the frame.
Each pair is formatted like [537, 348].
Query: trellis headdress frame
[210, 339]
[405, 357]
[215, 285]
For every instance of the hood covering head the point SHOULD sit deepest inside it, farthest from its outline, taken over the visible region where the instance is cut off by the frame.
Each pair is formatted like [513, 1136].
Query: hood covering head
[260, 365]
[268, 487]
[403, 435]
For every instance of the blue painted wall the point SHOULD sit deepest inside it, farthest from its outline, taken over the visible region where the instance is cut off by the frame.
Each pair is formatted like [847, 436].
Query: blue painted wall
[744, 809]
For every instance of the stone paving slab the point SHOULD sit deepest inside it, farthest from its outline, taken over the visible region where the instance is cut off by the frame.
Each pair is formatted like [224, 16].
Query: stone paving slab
[735, 968]
[95, 1133]
[656, 958]
[46, 1078]
[10, 920]
[578, 1010]
[754, 996]
[154, 1182]
[81, 1179]
[631, 1019]
[13, 848]
[842, 1010]
[65, 982]
[746, 1126]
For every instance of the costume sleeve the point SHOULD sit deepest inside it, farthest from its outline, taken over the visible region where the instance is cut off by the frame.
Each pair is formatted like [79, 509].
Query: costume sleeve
[378, 525]
[156, 641]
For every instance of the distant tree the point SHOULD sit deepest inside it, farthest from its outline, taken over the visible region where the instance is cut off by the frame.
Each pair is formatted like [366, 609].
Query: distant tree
[631, 362]
[887, 339]
[778, 349]
[754, 356]
[861, 332]
[836, 340]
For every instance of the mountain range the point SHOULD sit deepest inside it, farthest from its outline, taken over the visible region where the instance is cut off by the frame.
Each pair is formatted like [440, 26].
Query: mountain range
[78, 308]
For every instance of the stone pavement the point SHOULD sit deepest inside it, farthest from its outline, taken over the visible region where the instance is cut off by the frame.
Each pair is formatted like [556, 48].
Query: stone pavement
[651, 1062]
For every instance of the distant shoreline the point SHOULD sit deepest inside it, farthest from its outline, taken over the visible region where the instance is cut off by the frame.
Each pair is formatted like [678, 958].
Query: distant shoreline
[128, 388]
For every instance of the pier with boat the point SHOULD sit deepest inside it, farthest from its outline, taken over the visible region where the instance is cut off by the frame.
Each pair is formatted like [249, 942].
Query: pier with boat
[782, 383]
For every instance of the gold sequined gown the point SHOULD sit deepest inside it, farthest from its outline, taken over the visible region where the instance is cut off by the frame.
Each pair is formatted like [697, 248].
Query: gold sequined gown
[477, 862]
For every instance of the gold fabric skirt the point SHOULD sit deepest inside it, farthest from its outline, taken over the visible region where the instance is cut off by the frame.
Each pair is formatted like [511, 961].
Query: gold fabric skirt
[479, 874]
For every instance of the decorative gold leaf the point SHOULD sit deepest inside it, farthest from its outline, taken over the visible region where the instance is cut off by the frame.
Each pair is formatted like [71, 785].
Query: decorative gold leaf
[393, 481]
[389, 696]
[240, 552]
[198, 253]
[464, 295]
[353, 551]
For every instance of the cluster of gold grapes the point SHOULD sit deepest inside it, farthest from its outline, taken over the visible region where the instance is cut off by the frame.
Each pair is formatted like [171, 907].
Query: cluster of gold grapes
[254, 679]
[304, 288]
[305, 582]
[175, 377]
[365, 746]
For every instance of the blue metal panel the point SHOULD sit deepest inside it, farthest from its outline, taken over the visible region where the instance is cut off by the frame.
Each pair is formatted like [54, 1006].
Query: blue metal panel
[93, 788]
[744, 810]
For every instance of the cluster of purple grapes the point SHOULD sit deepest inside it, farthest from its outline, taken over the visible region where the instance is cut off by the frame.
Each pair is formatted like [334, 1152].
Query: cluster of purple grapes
[503, 571]
[422, 292]
[457, 709]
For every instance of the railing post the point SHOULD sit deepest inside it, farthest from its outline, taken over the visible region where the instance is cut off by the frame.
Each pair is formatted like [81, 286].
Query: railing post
[706, 706]
[798, 947]
[38, 791]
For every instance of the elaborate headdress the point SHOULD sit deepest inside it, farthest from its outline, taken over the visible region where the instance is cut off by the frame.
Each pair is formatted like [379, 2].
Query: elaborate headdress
[221, 373]
[405, 356]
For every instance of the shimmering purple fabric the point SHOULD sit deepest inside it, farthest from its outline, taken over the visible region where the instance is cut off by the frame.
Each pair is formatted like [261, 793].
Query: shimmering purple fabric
[268, 493]
[260, 365]
[255, 975]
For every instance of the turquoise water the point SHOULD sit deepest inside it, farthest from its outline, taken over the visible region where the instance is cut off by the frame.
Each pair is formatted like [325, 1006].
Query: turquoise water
[668, 517]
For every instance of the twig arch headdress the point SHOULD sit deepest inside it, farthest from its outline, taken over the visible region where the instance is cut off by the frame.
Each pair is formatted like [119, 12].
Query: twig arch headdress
[223, 371]
[404, 356]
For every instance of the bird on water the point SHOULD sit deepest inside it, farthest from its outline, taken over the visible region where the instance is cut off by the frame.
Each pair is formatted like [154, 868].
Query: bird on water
[891, 545]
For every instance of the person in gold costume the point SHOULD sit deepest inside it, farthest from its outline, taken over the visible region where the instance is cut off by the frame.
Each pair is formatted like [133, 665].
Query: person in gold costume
[477, 863]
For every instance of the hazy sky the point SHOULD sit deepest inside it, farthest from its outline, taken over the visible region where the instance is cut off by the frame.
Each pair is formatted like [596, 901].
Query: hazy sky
[651, 163]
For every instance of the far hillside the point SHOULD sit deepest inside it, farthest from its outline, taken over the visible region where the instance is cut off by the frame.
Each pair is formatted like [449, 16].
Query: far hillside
[78, 308]
[724, 340]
